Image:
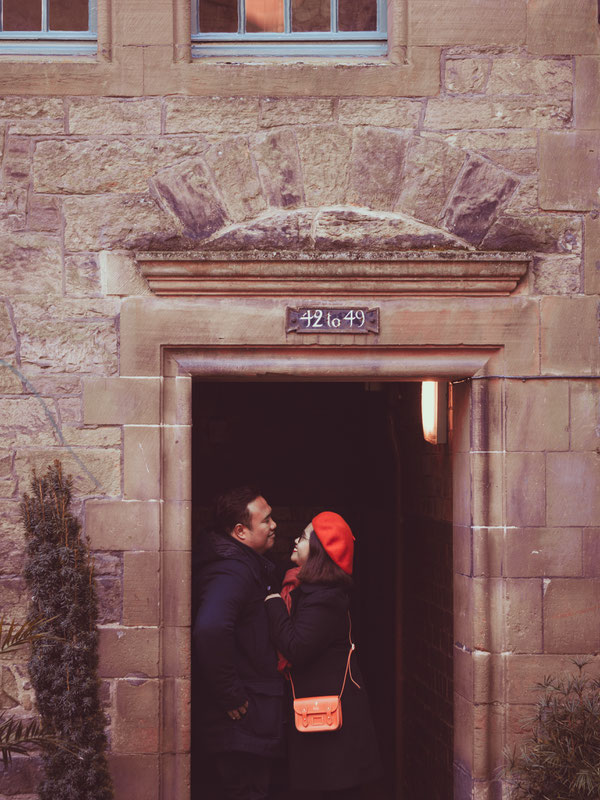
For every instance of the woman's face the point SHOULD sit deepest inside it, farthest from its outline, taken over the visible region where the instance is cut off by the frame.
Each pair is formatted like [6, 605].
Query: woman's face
[301, 547]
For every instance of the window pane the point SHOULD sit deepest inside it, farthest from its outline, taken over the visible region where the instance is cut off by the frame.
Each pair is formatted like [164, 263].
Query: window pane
[68, 15]
[357, 15]
[264, 15]
[218, 16]
[310, 15]
[22, 15]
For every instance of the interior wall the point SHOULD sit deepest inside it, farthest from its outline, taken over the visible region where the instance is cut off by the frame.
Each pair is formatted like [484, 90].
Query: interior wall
[426, 602]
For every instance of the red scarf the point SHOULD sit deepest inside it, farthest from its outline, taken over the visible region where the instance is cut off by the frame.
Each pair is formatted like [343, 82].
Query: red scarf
[290, 582]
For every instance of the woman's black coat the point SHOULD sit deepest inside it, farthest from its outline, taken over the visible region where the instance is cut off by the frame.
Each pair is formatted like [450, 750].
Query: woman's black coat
[315, 639]
[233, 653]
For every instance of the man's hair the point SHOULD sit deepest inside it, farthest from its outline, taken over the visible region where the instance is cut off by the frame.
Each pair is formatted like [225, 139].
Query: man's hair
[231, 507]
[320, 568]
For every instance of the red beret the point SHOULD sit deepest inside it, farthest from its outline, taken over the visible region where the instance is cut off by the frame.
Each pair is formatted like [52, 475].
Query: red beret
[336, 537]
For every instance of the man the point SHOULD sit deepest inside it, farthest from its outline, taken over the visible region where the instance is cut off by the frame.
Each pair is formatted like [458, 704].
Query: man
[239, 707]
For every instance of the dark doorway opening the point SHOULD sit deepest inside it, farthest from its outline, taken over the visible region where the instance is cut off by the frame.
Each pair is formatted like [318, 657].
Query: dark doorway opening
[355, 448]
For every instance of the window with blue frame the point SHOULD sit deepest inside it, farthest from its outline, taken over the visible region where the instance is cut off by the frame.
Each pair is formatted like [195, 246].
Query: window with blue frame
[289, 27]
[59, 27]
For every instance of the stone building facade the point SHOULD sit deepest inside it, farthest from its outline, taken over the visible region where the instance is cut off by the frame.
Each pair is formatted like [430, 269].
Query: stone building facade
[159, 214]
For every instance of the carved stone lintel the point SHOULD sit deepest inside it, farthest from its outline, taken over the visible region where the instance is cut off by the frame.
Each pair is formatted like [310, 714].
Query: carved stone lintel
[341, 274]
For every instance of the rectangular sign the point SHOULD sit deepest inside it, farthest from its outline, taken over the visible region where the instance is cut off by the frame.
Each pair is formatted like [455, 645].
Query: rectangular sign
[323, 319]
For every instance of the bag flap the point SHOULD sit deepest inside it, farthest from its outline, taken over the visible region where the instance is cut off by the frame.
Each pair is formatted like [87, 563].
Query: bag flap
[316, 705]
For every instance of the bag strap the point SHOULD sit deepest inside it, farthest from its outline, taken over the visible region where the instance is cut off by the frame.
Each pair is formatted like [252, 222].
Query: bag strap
[348, 667]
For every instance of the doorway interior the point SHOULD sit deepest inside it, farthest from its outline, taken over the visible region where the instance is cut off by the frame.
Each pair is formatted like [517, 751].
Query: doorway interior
[356, 448]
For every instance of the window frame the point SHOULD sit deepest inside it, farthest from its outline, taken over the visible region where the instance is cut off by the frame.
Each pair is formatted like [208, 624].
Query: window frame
[49, 42]
[288, 43]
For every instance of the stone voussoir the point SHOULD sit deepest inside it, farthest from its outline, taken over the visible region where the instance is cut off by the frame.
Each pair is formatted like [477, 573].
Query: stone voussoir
[482, 190]
[278, 162]
[187, 190]
[324, 155]
[429, 174]
[235, 175]
[376, 167]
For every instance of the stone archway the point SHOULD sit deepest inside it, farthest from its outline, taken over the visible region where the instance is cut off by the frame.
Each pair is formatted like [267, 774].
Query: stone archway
[324, 186]
[321, 187]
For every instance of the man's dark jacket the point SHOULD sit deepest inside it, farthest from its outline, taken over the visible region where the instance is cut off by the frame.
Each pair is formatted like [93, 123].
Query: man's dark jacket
[235, 657]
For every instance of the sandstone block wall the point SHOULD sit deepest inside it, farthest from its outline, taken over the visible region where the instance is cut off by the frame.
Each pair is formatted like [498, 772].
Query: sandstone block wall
[489, 140]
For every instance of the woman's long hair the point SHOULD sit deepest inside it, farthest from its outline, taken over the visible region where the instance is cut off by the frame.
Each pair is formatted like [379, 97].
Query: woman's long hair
[320, 568]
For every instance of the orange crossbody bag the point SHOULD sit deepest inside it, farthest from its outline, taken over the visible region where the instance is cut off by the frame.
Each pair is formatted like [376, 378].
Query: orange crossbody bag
[322, 713]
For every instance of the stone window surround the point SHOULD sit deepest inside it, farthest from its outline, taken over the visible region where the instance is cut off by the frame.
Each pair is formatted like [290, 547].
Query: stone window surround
[148, 52]
[421, 337]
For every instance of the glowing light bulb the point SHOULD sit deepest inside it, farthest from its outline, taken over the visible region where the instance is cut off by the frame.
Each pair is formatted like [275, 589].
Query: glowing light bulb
[434, 411]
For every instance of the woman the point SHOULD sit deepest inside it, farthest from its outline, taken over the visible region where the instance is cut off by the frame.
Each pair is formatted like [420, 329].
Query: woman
[315, 638]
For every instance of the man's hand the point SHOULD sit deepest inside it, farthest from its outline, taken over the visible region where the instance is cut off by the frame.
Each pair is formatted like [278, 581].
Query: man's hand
[238, 713]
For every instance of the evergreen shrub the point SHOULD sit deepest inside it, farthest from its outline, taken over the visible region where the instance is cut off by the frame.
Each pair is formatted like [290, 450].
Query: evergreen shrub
[63, 667]
[560, 759]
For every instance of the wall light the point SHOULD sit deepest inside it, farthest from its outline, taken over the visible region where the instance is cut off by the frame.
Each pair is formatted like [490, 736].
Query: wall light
[434, 411]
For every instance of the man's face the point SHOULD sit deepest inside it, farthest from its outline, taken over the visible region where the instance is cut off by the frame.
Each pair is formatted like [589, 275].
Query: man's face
[260, 534]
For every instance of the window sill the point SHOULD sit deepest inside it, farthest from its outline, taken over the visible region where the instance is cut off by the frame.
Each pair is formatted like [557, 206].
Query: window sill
[53, 48]
[253, 50]
[133, 71]
[413, 72]
[105, 72]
